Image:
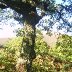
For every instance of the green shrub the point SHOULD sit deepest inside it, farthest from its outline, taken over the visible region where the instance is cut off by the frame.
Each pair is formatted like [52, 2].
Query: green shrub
[63, 51]
[41, 46]
[47, 59]
[10, 54]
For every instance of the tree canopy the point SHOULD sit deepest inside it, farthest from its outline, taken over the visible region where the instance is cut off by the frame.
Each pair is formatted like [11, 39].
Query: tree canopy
[28, 9]
[60, 13]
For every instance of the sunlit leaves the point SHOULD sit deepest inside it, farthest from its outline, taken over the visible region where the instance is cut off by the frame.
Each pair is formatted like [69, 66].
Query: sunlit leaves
[65, 45]
[41, 47]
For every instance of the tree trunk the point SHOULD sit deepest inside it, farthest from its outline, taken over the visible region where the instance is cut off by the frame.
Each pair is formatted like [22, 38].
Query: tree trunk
[32, 54]
[30, 34]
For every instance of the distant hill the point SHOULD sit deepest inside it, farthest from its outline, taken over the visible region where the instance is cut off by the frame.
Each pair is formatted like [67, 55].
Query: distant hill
[3, 41]
[51, 40]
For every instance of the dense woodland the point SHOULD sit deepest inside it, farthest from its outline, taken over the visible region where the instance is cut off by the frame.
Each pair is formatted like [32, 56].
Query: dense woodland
[28, 52]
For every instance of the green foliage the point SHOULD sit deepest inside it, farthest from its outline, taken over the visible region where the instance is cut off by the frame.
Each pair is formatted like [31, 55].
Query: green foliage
[20, 32]
[47, 59]
[14, 45]
[49, 33]
[42, 61]
[10, 54]
[63, 52]
[53, 59]
[65, 45]
[41, 47]
[12, 49]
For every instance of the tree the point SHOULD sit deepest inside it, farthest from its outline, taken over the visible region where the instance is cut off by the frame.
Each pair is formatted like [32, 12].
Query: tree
[28, 9]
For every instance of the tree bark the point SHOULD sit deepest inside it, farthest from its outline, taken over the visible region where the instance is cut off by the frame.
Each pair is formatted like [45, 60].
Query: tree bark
[30, 34]
[32, 54]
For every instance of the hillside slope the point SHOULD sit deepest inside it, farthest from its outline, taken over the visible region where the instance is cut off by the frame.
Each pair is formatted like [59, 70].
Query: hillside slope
[50, 40]
[3, 41]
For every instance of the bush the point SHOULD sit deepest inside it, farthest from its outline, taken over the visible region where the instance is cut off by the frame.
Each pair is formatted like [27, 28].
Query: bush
[41, 47]
[54, 59]
[47, 59]
[10, 54]
[41, 63]
[12, 48]
[63, 51]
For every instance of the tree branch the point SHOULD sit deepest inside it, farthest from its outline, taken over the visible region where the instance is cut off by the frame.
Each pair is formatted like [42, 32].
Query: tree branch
[2, 5]
[20, 7]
